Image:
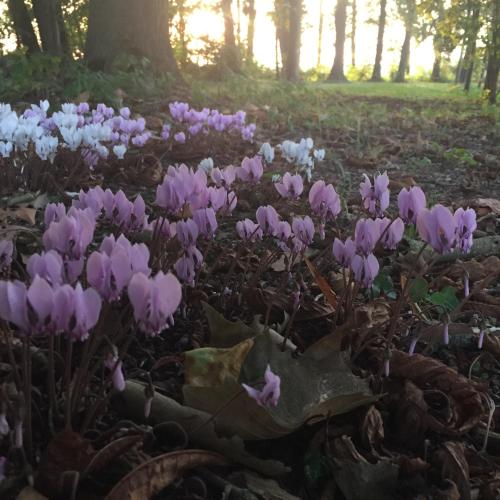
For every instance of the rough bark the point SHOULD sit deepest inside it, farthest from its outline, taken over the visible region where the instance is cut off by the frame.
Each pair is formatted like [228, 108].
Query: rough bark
[458, 69]
[404, 59]
[249, 10]
[23, 28]
[337, 73]
[230, 52]
[134, 27]
[46, 15]
[281, 20]
[377, 67]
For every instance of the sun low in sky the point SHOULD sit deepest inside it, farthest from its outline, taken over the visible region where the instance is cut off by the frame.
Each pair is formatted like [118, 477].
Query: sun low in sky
[209, 23]
[205, 22]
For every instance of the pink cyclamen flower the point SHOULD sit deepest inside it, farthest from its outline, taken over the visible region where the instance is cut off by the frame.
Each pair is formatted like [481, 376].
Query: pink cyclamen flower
[225, 177]
[391, 233]
[268, 219]
[49, 265]
[53, 212]
[154, 300]
[187, 232]
[185, 269]
[6, 251]
[251, 170]
[324, 200]
[114, 364]
[446, 333]
[375, 196]
[438, 228]
[76, 310]
[206, 221]
[72, 234]
[270, 393]
[180, 137]
[291, 186]
[248, 230]
[344, 252]
[303, 231]
[365, 269]
[283, 233]
[480, 341]
[366, 235]
[466, 225]
[410, 202]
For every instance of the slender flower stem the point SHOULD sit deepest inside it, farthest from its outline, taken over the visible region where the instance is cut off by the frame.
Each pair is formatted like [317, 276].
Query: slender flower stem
[67, 383]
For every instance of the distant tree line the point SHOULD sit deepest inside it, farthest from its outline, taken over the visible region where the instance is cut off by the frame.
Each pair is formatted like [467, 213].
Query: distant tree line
[101, 30]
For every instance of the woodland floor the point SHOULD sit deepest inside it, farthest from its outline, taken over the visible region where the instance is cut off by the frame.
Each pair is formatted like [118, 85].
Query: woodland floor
[409, 443]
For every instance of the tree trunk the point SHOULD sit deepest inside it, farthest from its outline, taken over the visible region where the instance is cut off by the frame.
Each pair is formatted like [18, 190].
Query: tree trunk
[135, 27]
[281, 20]
[470, 51]
[493, 49]
[63, 34]
[46, 15]
[23, 28]
[320, 33]
[291, 67]
[230, 53]
[377, 67]
[250, 11]
[436, 68]
[337, 73]
[353, 33]
[458, 69]
[404, 59]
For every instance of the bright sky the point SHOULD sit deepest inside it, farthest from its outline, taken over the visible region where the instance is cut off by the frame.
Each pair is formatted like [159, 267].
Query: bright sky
[209, 23]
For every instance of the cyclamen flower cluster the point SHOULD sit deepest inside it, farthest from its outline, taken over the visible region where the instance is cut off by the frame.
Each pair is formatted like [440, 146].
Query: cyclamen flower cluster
[206, 120]
[302, 154]
[95, 132]
[183, 188]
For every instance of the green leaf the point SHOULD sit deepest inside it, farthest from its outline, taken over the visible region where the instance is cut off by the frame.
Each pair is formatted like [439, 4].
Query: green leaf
[419, 290]
[445, 298]
[383, 283]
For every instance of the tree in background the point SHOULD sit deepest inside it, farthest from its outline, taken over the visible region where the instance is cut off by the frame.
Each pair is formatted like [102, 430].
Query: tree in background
[288, 19]
[230, 53]
[320, 33]
[493, 51]
[21, 20]
[354, 14]
[250, 12]
[408, 12]
[337, 72]
[377, 67]
[49, 18]
[139, 28]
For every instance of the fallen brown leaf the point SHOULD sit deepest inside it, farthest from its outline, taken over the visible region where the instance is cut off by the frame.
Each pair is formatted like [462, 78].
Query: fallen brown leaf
[154, 475]
[455, 467]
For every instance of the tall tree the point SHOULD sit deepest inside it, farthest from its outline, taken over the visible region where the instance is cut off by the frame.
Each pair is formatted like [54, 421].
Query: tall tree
[493, 52]
[472, 32]
[231, 54]
[25, 34]
[407, 11]
[294, 39]
[139, 27]
[288, 19]
[48, 16]
[337, 72]
[354, 15]
[320, 33]
[250, 12]
[377, 67]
